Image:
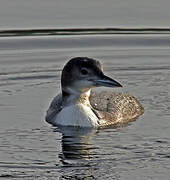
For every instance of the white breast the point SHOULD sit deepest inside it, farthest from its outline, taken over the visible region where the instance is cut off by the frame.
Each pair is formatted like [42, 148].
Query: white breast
[77, 115]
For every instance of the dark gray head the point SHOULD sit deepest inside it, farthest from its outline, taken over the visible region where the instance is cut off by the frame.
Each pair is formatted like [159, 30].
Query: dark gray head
[81, 74]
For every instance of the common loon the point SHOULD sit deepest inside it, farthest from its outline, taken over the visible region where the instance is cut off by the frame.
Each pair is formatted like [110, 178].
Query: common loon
[78, 106]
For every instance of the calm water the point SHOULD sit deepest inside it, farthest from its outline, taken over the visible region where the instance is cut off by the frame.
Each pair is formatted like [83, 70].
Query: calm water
[76, 13]
[30, 77]
[30, 69]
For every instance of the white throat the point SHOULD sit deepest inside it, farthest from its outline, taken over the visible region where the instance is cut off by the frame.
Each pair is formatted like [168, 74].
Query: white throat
[77, 111]
[76, 97]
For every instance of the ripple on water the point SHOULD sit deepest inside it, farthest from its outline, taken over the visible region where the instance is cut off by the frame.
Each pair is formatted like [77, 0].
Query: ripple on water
[31, 75]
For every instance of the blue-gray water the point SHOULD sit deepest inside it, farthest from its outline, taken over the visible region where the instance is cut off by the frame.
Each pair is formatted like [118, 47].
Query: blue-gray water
[132, 40]
[30, 77]
[89, 13]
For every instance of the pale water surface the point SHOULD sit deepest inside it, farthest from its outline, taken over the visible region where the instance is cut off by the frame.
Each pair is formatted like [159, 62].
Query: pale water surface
[78, 13]
[30, 69]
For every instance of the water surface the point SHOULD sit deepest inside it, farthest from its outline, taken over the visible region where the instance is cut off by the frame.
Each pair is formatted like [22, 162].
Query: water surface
[30, 69]
[76, 13]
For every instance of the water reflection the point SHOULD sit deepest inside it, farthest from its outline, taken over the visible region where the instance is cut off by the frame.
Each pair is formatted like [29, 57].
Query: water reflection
[77, 152]
[76, 146]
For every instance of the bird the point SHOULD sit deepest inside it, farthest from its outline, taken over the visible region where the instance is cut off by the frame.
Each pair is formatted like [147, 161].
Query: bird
[79, 106]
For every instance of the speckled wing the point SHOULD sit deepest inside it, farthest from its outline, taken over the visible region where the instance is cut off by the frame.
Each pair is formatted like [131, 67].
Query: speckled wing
[54, 109]
[115, 108]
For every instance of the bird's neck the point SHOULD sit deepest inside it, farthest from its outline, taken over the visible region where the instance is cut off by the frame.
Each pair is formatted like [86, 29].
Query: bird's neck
[72, 97]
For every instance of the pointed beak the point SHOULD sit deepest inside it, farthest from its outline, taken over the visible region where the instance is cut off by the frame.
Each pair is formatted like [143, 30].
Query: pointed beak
[107, 82]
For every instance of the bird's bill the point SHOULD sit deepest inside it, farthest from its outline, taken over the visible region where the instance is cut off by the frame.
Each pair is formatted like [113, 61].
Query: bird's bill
[107, 82]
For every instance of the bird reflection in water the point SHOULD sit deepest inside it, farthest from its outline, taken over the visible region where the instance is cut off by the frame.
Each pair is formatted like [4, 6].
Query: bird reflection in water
[79, 155]
[77, 152]
[76, 147]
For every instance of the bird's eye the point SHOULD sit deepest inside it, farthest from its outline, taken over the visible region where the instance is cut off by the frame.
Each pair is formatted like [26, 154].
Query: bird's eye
[84, 72]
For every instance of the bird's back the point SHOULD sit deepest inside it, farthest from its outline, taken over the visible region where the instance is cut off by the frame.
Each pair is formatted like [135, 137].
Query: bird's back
[115, 108]
[111, 108]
